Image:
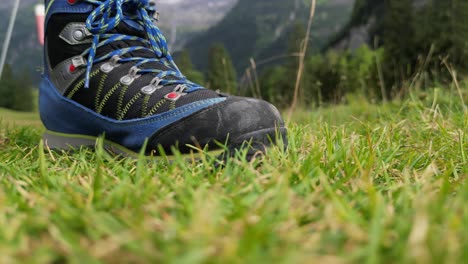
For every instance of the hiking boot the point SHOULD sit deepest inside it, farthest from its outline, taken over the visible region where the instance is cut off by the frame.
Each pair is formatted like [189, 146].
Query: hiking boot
[108, 72]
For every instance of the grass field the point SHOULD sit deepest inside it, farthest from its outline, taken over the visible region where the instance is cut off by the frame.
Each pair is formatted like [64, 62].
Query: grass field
[359, 183]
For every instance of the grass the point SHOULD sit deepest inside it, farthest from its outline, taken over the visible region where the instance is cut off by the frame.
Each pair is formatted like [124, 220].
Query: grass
[13, 118]
[359, 183]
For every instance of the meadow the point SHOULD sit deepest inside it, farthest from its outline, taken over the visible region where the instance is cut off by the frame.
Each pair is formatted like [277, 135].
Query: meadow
[359, 182]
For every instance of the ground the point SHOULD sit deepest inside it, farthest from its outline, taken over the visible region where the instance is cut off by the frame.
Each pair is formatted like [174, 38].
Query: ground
[359, 182]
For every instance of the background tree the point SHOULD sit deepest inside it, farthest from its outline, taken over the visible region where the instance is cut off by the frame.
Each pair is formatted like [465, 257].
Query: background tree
[23, 95]
[398, 64]
[16, 93]
[184, 62]
[295, 39]
[221, 72]
[7, 88]
[276, 87]
[448, 32]
[278, 82]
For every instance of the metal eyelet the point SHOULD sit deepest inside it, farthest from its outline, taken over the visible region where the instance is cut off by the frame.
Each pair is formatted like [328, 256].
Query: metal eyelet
[152, 7]
[109, 66]
[131, 76]
[152, 3]
[156, 81]
[152, 87]
[148, 90]
[76, 62]
[106, 68]
[177, 93]
[81, 34]
[156, 16]
[78, 35]
[181, 88]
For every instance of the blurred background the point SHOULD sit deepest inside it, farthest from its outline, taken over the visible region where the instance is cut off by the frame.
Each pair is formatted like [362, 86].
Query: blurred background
[379, 49]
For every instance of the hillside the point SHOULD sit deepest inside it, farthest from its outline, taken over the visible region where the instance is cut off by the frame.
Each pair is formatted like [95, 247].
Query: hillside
[260, 28]
[180, 20]
[365, 25]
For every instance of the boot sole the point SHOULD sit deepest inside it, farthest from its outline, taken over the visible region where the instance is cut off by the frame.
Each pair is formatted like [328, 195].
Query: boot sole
[256, 142]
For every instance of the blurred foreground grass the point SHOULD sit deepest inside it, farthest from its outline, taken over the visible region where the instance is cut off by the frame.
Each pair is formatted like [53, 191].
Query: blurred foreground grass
[359, 182]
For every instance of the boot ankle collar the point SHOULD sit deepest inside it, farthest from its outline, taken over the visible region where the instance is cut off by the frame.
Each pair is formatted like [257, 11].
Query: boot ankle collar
[64, 7]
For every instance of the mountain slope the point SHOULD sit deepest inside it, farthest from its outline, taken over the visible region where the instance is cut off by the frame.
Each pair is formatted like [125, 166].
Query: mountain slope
[181, 20]
[259, 28]
[365, 25]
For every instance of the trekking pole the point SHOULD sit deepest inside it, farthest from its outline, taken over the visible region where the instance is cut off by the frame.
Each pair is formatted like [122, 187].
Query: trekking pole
[8, 36]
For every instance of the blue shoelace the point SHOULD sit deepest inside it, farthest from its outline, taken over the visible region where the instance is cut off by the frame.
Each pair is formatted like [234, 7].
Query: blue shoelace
[107, 16]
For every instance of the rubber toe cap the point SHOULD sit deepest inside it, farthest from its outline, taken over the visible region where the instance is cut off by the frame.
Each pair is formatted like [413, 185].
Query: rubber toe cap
[232, 121]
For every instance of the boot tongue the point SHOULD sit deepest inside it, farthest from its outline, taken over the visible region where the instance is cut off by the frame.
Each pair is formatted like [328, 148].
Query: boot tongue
[131, 28]
[125, 29]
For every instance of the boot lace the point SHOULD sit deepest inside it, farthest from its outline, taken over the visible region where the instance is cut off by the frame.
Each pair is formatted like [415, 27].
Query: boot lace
[107, 15]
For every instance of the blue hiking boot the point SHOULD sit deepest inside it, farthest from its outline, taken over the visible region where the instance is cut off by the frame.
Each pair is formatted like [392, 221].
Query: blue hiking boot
[108, 72]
